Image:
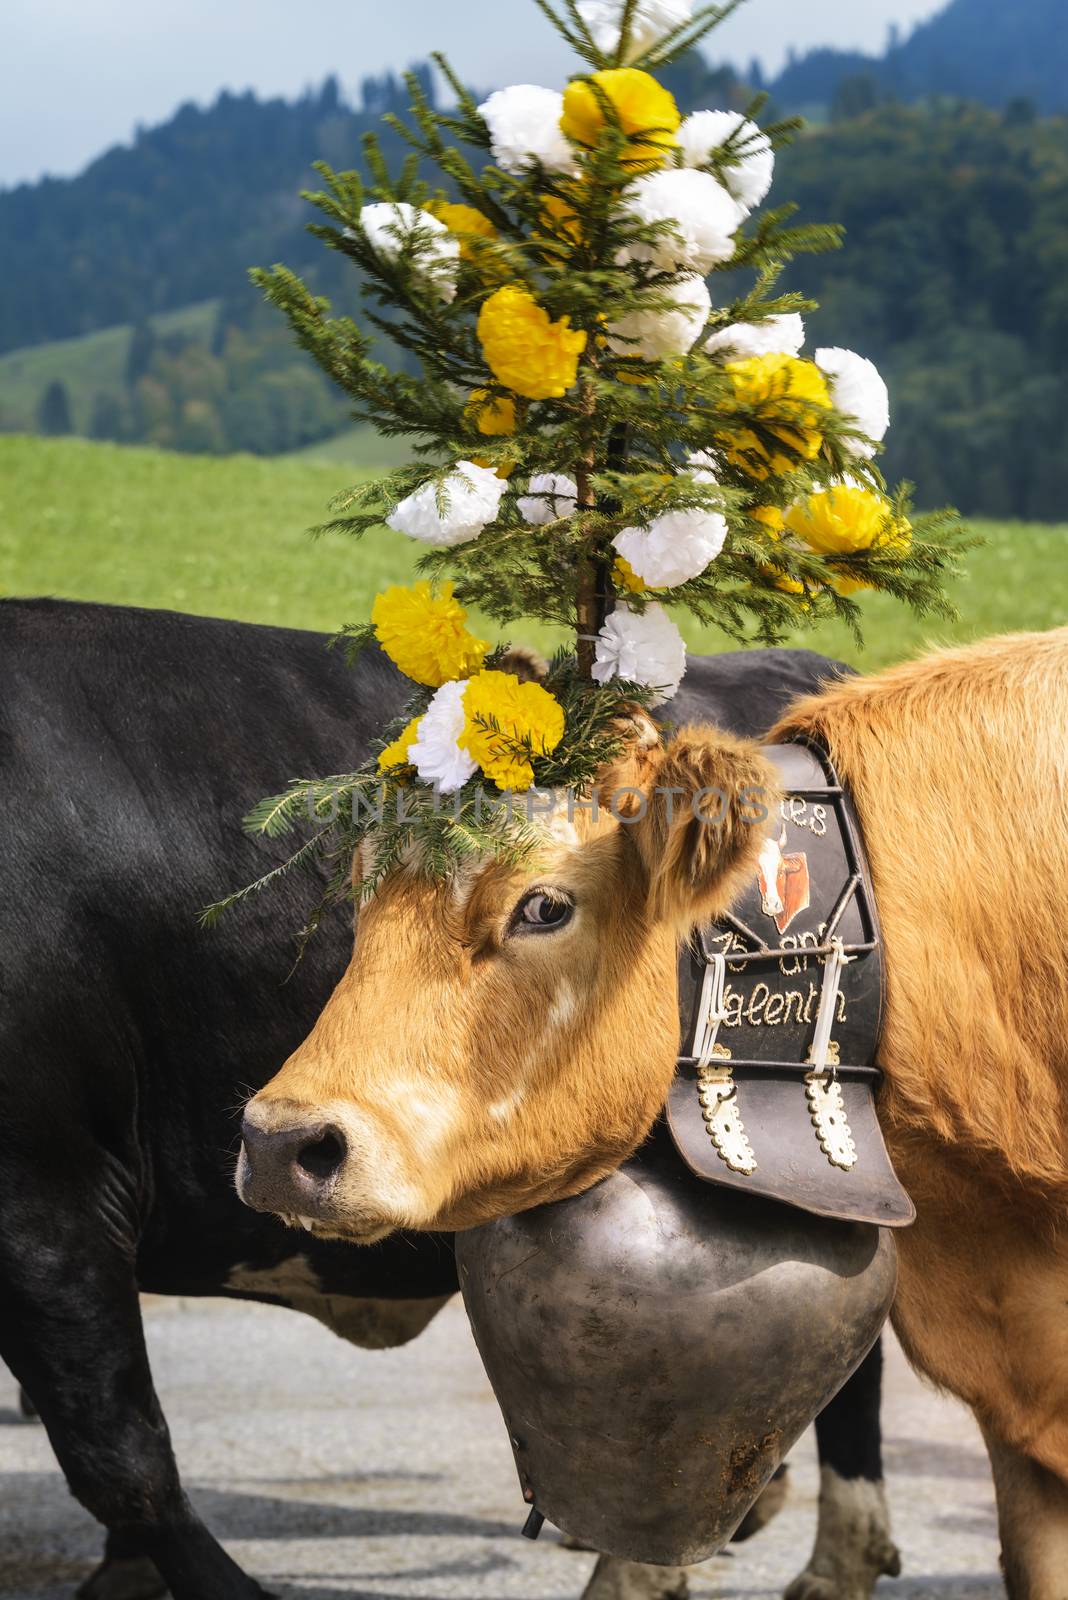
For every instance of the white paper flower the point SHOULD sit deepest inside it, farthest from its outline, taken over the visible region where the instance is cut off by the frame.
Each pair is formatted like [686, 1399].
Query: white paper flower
[674, 548]
[524, 127]
[644, 648]
[858, 391]
[661, 335]
[653, 20]
[473, 500]
[436, 754]
[550, 495]
[703, 466]
[751, 167]
[775, 336]
[704, 216]
[395, 230]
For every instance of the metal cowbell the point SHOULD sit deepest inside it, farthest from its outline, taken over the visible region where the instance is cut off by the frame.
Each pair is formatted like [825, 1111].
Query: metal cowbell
[658, 1344]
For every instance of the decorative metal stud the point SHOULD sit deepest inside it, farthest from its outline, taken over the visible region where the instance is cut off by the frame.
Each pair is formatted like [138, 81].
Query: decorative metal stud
[718, 1094]
[827, 1108]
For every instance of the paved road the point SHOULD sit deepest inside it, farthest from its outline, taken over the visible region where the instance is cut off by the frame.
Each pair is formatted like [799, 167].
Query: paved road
[330, 1471]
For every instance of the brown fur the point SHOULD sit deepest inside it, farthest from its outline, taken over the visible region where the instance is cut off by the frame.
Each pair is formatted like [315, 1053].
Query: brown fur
[475, 1073]
[695, 869]
[528, 665]
[959, 766]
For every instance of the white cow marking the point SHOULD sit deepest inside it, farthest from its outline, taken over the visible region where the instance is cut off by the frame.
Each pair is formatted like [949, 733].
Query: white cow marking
[370, 1324]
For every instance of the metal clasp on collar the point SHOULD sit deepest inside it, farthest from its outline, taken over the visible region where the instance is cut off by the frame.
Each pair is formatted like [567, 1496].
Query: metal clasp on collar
[822, 1088]
[716, 1088]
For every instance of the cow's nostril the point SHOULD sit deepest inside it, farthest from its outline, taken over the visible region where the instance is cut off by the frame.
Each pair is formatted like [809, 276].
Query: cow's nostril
[290, 1170]
[322, 1158]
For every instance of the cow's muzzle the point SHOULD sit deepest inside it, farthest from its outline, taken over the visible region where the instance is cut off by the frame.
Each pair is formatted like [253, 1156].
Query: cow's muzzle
[291, 1170]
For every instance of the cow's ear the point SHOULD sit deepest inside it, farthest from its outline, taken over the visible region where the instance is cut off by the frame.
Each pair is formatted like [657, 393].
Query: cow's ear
[697, 820]
[524, 663]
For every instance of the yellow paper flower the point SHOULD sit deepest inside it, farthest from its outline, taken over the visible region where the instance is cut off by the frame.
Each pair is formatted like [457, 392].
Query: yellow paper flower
[625, 577]
[396, 754]
[782, 580]
[470, 226]
[522, 714]
[425, 634]
[846, 519]
[788, 395]
[560, 220]
[463, 220]
[646, 111]
[524, 349]
[492, 414]
[773, 518]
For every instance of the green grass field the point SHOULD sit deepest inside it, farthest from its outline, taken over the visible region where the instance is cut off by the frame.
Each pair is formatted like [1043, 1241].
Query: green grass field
[94, 362]
[226, 536]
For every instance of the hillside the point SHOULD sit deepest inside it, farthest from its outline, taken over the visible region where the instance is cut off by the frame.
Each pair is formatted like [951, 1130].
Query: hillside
[952, 277]
[179, 215]
[228, 538]
[86, 366]
[973, 49]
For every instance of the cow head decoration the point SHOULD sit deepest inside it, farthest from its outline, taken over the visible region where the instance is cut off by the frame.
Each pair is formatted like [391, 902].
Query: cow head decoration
[508, 1037]
[784, 881]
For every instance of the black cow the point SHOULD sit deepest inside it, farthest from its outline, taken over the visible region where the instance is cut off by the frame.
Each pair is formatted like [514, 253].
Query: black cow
[130, 743]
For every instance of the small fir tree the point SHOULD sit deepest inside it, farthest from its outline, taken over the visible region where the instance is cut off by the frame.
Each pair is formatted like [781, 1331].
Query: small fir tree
[140, 352]
[53, 412]
[596, 435]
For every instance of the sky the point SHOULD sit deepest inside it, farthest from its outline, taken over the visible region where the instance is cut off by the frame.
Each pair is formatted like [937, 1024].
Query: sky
[76, 76]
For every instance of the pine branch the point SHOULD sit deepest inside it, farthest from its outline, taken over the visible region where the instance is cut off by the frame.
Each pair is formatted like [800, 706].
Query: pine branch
[623, 432]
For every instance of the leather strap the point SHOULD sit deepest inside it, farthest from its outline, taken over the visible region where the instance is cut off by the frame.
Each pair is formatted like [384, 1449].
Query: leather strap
[780, 1006]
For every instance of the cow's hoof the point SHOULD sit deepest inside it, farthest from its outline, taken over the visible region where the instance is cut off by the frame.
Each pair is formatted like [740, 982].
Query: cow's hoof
[810, 1586]
[851, 1581]
[768, 1506]
[136, 1579]
[853, 1544]
[629, 1580]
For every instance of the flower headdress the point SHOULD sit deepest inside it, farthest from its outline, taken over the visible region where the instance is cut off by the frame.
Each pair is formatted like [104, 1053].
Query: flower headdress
[601, 436]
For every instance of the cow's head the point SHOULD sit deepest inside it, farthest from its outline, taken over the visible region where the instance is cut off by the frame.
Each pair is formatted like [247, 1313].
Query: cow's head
[769, 871]
[508, 1037]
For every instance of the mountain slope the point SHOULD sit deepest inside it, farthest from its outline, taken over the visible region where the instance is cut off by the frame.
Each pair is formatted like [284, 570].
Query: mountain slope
[975, 49]
[986, 50]
[87, 365]
[176, 217]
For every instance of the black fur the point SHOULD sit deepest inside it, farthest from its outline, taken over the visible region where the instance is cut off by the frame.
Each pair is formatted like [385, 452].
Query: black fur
[131, 743]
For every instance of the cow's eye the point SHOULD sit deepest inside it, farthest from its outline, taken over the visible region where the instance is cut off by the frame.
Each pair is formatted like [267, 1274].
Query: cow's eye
[541, 912]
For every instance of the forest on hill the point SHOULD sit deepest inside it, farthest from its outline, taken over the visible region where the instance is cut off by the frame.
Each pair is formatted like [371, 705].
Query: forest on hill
[954, 278]
[972, 49]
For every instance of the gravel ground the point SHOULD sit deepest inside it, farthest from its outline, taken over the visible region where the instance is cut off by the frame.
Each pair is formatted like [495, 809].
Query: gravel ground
[330, 1471]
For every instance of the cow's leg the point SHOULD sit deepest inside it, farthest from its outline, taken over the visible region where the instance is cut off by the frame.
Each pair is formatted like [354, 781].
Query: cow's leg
[70, 1330]
[1033, 1523]
[629, 1580]
[762, 1511]
[124, 1574]
[853, 1545]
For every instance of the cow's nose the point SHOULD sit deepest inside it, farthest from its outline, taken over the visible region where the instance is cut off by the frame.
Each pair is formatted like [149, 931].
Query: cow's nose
[291, 1170]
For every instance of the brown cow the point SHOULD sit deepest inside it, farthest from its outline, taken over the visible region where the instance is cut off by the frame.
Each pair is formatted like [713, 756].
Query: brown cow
[509, 1037]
